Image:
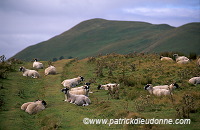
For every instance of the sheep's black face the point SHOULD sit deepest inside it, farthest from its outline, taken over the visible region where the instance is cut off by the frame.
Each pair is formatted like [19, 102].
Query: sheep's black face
[145, 87]
[87, 84]
[44, 103]
[176, 85]
[82, 79]
[21, 69]
[65, 90]
[87, 87]
[99, 87]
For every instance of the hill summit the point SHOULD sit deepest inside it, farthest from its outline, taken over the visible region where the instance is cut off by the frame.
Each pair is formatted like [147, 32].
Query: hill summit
[100, 36]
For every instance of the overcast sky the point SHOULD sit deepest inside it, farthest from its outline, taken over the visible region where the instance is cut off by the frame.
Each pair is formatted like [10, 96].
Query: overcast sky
[27, 22]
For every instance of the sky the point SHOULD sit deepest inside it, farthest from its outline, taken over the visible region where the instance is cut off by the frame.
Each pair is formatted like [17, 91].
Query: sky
[28, 22]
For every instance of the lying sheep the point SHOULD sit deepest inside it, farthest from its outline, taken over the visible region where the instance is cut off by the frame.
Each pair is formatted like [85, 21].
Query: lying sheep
[80, 91]
[34, 107]
[37, 65]
[162, 58]
[156, 91]
[106, 86]
[195, 80]
[180, 58]
[80, 100]
[183, 61]
[70, 83]
[170, 87]
[29, 73]
[50, 70]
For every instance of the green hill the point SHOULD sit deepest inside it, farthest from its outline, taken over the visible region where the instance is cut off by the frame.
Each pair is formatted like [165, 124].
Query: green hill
[99, 36]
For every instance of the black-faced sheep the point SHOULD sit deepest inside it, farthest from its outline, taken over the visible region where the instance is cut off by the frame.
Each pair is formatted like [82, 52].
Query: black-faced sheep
[80, 100]
[70, 83]
[83, 90]
[34, 107]
[37, 65]
[195, 80]
[180, 58]
[29, 73]
[50, 70]
[157, 92]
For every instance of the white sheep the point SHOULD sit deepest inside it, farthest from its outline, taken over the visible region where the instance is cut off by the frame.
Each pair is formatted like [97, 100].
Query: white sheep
[195, 80]
[83, 91]
[170, 87]
[162, 58]
[106, 86]
[37, 65]
[50, 70]
[70, 83]
[34, 107]
[157, 92]
[80, 100]
[29, 73]
[179, 58]
[183, 61]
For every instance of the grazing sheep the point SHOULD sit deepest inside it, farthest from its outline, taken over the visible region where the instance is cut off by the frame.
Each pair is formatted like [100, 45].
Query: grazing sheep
[37, 65]
[179, 58]
[183, 61]
[195, 80]
[170, 87]
[70, 83]
[162, 58]
[80, 91]
[34, 107]
[80, 100]
[29, 73]
[106, 86]
[157, 92]
[50, 70]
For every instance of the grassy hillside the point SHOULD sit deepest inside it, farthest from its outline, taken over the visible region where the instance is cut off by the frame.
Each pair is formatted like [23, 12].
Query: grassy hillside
[131, 71]
[99, 36]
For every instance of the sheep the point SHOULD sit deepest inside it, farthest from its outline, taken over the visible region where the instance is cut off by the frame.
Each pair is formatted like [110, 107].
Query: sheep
[157, 92]
[70, 83]
[195, 80]
[183, 61]
[80, 100]
[162, 58]
[83, 90]
[106, 86]
[50, 70]
[179, 58]
[170, 87]
[34, 107]
[29, 73]
[37, 64]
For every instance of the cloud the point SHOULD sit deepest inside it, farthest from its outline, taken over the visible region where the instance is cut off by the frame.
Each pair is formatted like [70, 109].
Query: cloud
[27, 22]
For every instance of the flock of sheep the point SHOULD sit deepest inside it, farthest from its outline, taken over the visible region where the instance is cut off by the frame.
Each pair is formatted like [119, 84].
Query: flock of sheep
[80, 95]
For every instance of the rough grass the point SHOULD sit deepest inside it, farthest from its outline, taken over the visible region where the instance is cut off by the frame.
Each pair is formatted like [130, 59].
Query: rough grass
[131, 71]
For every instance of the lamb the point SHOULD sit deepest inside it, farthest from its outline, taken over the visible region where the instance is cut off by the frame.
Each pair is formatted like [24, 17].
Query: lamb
[80, 91]
[80, 100]
[34, 107]
[162, 58]
[183, 61]
[170, 87]
[50, 70]
[179, 58]
[195, 80]
[70, 83]
[157, 92]
[29, 73]
[106, 86]
[37, 64]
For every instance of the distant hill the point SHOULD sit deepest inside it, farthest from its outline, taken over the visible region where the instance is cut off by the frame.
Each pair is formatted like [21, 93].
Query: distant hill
[100, 36]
